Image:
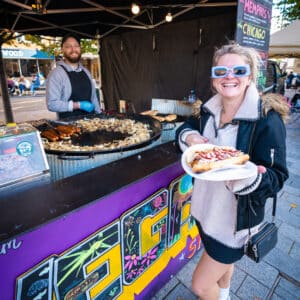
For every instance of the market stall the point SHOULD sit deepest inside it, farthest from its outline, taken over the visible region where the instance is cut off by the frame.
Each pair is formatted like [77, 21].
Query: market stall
[108, 233]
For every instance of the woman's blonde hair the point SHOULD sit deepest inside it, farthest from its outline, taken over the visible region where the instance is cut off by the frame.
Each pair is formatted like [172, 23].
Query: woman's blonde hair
[250, 55]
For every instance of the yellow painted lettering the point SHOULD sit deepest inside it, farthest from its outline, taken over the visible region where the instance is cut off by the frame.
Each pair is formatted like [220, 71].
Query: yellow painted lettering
[150, 239]
[113, 259]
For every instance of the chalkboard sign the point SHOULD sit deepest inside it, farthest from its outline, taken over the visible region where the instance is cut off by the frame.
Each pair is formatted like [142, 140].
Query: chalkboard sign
[253, 30]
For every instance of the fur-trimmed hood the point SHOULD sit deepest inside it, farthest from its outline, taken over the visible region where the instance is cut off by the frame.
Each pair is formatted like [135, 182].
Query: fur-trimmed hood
[276, 102]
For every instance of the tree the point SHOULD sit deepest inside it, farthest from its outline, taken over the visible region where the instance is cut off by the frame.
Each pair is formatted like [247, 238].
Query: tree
[52, 45]
[290, 10]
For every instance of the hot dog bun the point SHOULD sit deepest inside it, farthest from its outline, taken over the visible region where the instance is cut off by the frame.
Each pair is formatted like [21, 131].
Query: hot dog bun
[211, 157]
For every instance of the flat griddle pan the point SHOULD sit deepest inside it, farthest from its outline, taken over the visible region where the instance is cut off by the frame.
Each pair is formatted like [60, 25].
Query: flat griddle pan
[154, 125]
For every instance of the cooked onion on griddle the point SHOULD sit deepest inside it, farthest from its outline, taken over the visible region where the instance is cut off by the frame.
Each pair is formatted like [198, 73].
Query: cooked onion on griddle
[102, 134]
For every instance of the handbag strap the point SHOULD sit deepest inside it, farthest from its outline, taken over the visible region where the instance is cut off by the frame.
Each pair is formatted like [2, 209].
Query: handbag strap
[274, 197]
[273, 213]
[274, 208]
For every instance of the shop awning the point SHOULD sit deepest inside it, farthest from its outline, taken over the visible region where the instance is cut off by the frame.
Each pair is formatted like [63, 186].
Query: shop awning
[15, 53]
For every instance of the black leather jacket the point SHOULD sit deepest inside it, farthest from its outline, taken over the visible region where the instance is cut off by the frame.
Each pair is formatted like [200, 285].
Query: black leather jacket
[264, 140]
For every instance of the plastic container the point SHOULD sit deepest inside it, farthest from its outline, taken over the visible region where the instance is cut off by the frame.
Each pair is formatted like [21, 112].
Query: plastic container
[13, 128]
[192, 96]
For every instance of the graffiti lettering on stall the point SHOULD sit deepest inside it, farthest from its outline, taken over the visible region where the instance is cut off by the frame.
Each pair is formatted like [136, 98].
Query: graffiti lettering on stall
[10, 245]
[121, 259]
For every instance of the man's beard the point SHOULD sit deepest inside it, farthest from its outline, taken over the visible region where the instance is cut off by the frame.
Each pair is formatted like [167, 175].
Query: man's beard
[72, 59]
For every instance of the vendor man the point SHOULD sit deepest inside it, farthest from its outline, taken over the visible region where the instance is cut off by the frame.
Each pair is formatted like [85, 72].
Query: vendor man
[70, 90]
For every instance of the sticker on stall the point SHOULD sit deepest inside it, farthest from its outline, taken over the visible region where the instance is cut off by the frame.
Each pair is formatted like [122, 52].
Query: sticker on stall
[24, 148]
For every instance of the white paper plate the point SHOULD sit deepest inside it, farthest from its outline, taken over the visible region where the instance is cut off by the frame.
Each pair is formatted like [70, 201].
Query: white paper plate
[233, 172]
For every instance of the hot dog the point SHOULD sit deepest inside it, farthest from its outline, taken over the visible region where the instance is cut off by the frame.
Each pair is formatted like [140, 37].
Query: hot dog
[215, 157]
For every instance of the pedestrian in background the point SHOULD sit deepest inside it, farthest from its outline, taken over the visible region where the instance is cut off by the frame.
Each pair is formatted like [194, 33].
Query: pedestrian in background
[11, 86]
[35, 83]
[23, 84]
[57, 58]
[289, 80]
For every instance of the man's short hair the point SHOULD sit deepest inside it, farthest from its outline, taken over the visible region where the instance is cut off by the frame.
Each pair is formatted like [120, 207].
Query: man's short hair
[70, 35]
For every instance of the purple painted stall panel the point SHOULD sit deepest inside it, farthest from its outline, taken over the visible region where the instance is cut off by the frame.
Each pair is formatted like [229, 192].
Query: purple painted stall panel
[123, 246]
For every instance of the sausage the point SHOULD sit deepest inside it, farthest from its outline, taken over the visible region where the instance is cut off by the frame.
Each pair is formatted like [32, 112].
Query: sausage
[51, 135]
[67, 129]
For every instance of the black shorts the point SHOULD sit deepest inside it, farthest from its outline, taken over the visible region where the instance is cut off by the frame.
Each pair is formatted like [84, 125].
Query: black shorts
[219, 251]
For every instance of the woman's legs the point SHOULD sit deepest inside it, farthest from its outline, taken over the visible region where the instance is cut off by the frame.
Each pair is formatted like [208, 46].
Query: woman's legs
[209, 276]
[224, 281]
[21, 88]
[33, 88]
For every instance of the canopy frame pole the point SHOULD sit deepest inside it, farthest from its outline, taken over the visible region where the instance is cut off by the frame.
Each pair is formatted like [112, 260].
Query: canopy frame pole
[5, 96]
[37, 66]
[101, 97]
[20, 67]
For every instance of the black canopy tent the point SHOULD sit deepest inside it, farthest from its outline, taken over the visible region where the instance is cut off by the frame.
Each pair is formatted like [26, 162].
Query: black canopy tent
[142, 57]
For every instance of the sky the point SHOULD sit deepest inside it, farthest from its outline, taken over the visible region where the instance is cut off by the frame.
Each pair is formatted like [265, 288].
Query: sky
[275, 23]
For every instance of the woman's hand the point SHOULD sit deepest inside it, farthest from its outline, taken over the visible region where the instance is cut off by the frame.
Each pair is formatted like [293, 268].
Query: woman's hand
[261, 169]
[194, 138]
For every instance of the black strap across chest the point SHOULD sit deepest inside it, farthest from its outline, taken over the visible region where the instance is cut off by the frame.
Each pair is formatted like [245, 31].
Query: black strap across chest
[81, 85]
[81, 90]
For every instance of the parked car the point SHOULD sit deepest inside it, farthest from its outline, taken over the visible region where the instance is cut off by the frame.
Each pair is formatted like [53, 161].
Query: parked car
[275, 78]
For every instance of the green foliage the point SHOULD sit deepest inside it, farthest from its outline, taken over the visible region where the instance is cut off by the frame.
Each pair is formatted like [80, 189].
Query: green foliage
[89, 46]
[6, 37]
[35, 39]
[52, 45]
[290, 9]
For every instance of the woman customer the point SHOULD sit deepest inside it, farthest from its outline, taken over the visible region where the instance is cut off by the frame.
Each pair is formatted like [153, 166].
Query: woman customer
[236, 116]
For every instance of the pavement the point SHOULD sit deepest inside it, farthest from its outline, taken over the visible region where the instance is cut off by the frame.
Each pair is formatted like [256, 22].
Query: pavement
[277, 276]
[28, 108]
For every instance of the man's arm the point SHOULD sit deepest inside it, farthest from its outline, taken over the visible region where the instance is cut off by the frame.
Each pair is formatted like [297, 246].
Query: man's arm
[58, 91]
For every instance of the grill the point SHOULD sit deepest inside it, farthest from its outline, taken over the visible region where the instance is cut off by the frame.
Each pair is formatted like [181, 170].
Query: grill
[101, 136]
[64, 163]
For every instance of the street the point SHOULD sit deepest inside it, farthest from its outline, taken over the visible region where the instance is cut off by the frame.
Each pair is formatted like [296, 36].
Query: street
[27, 108]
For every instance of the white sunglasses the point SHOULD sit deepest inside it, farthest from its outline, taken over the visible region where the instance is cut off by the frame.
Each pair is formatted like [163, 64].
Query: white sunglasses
[236, 71]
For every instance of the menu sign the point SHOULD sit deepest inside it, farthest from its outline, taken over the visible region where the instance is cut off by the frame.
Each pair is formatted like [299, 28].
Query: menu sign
[253, 29]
